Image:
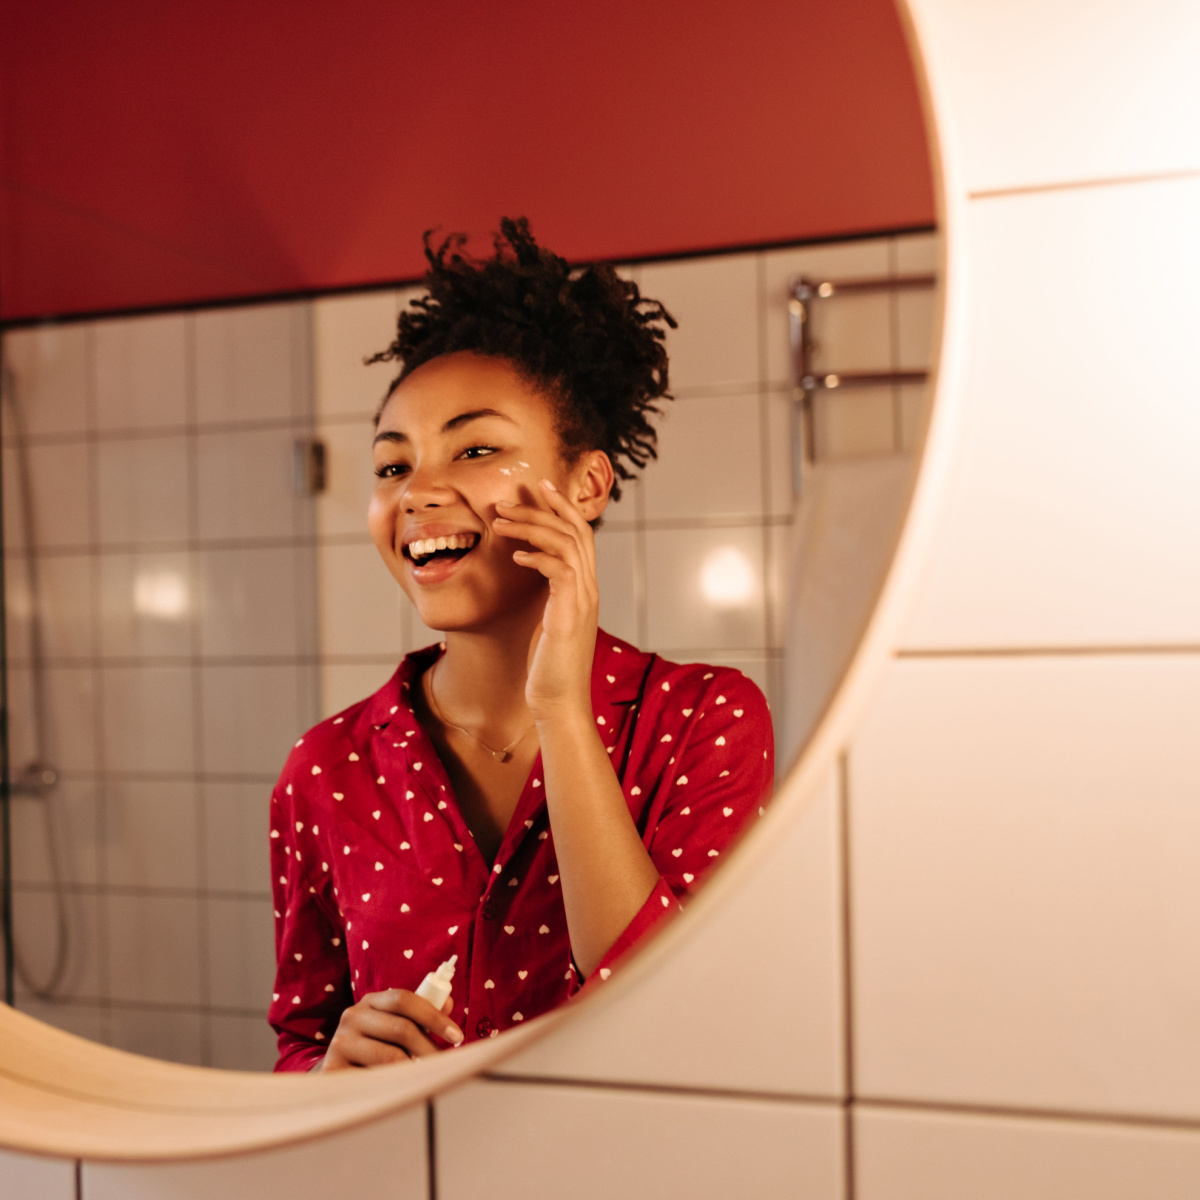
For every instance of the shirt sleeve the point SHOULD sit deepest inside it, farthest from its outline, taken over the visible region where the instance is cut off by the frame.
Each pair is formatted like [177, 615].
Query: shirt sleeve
[312, 973]
[721, 779]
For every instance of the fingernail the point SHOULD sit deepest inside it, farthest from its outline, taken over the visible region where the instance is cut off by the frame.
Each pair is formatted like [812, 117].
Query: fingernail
[454, 1035]
[501, 521]
[549, 486]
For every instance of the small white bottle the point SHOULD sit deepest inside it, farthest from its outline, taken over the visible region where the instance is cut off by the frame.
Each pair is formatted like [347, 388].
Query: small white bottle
[435, 987]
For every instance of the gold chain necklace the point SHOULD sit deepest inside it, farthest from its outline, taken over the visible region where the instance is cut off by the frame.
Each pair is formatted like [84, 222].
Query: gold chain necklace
[500, 756]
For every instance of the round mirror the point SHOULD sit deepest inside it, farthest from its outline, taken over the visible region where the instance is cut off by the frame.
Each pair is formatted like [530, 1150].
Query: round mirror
[191, 584]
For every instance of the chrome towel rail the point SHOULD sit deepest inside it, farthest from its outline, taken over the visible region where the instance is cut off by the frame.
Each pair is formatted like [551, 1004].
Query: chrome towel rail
[803, 293]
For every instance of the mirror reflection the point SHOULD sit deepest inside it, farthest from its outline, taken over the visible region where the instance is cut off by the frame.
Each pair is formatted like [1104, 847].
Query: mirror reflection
[194, 583]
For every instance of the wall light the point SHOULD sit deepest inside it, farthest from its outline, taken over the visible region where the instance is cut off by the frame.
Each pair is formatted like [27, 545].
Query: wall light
[727, 578]
[160, 594]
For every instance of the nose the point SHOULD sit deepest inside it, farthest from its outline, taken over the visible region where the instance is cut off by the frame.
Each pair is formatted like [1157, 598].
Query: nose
[426, 488]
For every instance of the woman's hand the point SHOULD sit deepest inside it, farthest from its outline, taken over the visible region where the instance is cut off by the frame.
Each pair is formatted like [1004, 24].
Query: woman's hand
[387, 1027]
[561, 652]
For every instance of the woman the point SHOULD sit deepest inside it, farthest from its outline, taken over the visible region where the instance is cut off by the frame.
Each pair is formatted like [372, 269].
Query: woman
[533, 795]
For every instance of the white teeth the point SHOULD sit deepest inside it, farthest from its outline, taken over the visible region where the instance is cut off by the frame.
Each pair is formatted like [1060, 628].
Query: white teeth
[423, 547]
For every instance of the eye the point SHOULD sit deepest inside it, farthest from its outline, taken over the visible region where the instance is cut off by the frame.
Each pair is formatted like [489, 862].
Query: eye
[390, 470]
[478, 452]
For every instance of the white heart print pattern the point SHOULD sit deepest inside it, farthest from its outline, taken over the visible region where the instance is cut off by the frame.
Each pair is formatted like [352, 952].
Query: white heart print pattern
[358, 759]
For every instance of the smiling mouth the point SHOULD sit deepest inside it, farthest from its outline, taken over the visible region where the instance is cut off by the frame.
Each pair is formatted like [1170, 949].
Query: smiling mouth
[427, 550]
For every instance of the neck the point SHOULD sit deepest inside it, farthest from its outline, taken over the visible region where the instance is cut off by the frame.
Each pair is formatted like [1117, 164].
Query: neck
[481, 677]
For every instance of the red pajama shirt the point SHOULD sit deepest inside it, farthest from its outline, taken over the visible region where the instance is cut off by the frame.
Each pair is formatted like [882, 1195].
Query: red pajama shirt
[377, 880]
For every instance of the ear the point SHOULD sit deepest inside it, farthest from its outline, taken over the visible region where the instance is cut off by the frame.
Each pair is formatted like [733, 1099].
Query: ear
[591, 483]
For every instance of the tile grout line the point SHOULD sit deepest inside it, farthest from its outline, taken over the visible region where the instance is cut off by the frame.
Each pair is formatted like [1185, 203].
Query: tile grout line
[762, 315]
[431, 1146]
[670, 1089]
[843, 789]
[102, 796]
[1019, 1112]
[229, 545]
[200, 824]
[984, 652]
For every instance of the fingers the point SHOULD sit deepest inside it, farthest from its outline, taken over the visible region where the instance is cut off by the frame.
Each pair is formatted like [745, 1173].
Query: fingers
[407, 1004]
[395, 1031]
[560, 530]
[554, 569]
[554, 508]
[388, 1027]
[544, 537]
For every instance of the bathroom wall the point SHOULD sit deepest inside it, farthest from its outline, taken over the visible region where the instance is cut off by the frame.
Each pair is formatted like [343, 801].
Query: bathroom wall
[199, 613]
[973, 958]
[179, 627]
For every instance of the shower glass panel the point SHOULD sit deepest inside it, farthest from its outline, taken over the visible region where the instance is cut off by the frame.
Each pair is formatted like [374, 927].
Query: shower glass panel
[162, 653]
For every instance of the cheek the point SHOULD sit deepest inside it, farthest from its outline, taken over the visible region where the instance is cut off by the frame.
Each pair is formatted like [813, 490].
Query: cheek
[511, 482]
[380, 520]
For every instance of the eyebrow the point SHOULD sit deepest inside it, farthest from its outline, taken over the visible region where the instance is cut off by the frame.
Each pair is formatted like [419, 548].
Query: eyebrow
[389, 435]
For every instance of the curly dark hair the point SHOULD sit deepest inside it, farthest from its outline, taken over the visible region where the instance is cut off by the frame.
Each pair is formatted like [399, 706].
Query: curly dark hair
[586, 337]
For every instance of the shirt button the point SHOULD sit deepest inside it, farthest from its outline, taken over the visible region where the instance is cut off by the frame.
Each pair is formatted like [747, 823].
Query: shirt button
[483, 1028]
[489, 911]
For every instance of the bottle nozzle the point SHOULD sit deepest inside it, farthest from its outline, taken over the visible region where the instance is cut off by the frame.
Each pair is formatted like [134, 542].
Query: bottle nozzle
[446, 970]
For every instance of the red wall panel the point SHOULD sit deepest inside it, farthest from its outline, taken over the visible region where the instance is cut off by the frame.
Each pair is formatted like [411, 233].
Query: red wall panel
[159, 153]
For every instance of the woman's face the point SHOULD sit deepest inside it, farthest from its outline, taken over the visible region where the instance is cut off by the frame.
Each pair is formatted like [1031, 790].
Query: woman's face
[459, 434]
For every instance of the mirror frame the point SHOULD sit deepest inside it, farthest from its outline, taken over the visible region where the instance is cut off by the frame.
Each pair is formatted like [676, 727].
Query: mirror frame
[66, 1097]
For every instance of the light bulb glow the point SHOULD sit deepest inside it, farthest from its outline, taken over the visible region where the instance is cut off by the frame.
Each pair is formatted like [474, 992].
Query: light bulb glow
[727, 578]
[161, 594]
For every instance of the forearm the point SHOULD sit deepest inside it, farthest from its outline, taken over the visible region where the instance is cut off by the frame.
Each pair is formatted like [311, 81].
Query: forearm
[605, 870]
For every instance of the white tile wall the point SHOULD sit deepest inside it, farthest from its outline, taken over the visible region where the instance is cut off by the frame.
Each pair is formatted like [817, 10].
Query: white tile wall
[148, 718]
[50, 367]
[160, 451]
[140, 366]
[680, 563]
[1066, 122]
[251, 715]
[360, 603]
[715, 301]
[250, 602]
[142, 497]
[240, 953]
[154, 949]
[150, 833]
[945, 1156]
[617, 577]
[350, 477]
[176, 1034]
[1026, 881]
[65, 583]
[532, 1141]
[26, 1177]
[236, 857]
[343, 684]
[239, 1043]
[62, 507]
[38, 942]
[147, 604]
[386, 1159]
[346, 330]
[698, 475]
[1073, 504]
[72, 695]
[245, 484]
[779, 935]
[69, 825]
[251, 363]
